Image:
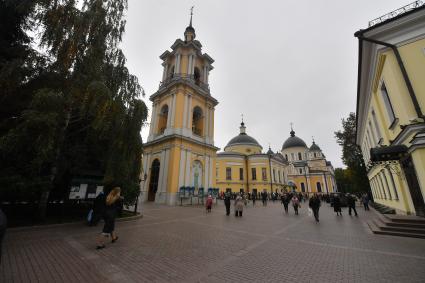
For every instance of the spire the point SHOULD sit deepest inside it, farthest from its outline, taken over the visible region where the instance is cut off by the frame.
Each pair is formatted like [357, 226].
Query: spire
[189, 33]
[292, 130]
[191, 14]
[242, 127]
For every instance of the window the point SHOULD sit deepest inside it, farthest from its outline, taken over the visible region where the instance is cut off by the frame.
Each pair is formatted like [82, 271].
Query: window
[264, 173]
[301, 170]
[292, 156]
[254, 173]
[163, 119]
[228, 173]
[387, 103]
[286, 156]
[303, 187]
[314, 154]
[274, 175]
[300, 157]
[240, 173]
[319, 187]
[197, 121]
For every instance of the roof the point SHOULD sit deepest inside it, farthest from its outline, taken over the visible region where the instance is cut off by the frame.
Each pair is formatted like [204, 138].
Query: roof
[293, 141]
[243, 139]
[314, 147]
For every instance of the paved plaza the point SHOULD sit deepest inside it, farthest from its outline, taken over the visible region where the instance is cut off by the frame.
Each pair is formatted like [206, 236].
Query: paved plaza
[184, 244]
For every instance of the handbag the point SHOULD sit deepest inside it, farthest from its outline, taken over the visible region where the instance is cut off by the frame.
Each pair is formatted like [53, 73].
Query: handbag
[310, 212]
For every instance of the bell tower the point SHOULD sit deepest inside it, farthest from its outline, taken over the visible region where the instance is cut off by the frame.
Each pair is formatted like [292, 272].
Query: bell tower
[180, 149]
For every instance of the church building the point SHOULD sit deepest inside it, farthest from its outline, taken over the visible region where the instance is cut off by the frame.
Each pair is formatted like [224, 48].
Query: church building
[180, 151]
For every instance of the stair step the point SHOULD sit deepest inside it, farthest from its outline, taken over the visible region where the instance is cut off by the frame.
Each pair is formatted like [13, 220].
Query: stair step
[403, 229]
[406, 219]
[400, 234]
[403, 224]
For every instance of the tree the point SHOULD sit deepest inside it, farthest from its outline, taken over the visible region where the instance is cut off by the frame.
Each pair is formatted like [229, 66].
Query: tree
[96, 123]
[355, 176]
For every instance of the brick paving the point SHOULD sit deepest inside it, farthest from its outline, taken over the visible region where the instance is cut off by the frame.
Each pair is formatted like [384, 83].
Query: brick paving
[184, 244]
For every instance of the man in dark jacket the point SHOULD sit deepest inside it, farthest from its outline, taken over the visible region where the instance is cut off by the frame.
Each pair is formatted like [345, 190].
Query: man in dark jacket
[351, 202]
[314, 204]
[98, 208]
[264, 197]
[3, 225]
[227, 197]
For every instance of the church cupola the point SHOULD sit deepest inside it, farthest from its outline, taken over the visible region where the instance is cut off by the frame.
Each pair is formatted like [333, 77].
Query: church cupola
[242, 129]
[189, 33]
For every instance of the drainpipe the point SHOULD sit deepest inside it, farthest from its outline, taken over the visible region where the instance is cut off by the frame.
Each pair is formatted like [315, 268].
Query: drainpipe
[409, 86]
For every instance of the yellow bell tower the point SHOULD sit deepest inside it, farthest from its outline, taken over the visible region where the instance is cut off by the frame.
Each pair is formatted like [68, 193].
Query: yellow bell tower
[180, 149]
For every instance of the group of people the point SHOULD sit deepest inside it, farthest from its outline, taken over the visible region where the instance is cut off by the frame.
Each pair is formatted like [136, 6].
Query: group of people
[314, 202]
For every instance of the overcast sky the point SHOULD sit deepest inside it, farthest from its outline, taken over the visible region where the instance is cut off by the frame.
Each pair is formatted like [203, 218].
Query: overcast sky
[276, 62]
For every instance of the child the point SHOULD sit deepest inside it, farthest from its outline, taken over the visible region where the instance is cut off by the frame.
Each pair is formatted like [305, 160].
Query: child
[209, 203]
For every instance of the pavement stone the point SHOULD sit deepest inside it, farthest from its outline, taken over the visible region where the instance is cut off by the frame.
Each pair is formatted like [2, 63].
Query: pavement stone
[185, 244]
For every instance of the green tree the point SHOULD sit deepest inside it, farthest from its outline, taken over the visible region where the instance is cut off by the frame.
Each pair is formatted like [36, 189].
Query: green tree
[99, 115]
[354, 177]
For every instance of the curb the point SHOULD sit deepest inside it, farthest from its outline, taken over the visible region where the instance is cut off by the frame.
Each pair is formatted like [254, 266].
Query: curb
[69, 224]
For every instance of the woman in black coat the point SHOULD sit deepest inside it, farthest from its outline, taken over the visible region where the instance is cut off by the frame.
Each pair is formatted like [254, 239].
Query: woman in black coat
[112, 207]
[337, 205]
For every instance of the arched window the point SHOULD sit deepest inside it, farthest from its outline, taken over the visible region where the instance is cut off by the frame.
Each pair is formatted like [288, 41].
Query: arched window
[197, 121]
[197, 76]
[300, 157]
[319, 187]
[171, 73]
[303, 187]
[163, 117]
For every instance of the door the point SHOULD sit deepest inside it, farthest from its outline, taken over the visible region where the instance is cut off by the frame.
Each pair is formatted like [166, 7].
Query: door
[412, 182]
[153, 183]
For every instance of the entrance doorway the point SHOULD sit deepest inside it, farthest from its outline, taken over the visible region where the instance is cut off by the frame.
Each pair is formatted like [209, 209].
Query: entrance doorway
[153, 183]
[412, 182]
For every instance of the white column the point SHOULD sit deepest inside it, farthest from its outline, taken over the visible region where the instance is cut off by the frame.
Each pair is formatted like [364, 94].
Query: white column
[207, 171]
[211, 126]
[189, 64]
[173, 110]
[212, 175]
[183, 155]
[146, 183]
[164, 75]
[161, 174]
[185, 111]
[189, 114]
[193, 64]
[152, 121]
[187, 180]
[177, 66]
[155, 119]
[166, 163]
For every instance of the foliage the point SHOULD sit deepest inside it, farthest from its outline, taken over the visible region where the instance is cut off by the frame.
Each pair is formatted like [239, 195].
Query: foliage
[354, 178]
[72, 107]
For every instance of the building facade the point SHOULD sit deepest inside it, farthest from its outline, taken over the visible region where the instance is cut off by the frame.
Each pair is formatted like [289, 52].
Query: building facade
[390, 105]
[242, 166]
[180, 149]
[308, 170]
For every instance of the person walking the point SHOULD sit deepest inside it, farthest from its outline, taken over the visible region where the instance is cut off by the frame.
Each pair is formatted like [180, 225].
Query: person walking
[351, 202]
[238, 205]
[337, 205]
[98, 209]
[3, 226]
[314, 204]
[285, 201]
[254, 198]
[264, 198]
[227, 197]
[365, 201]
[209, 203]
[295, 203]
[112, 205]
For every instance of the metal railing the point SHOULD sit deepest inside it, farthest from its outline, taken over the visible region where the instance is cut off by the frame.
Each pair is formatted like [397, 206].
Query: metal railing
[187, 78]
[397, 12]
